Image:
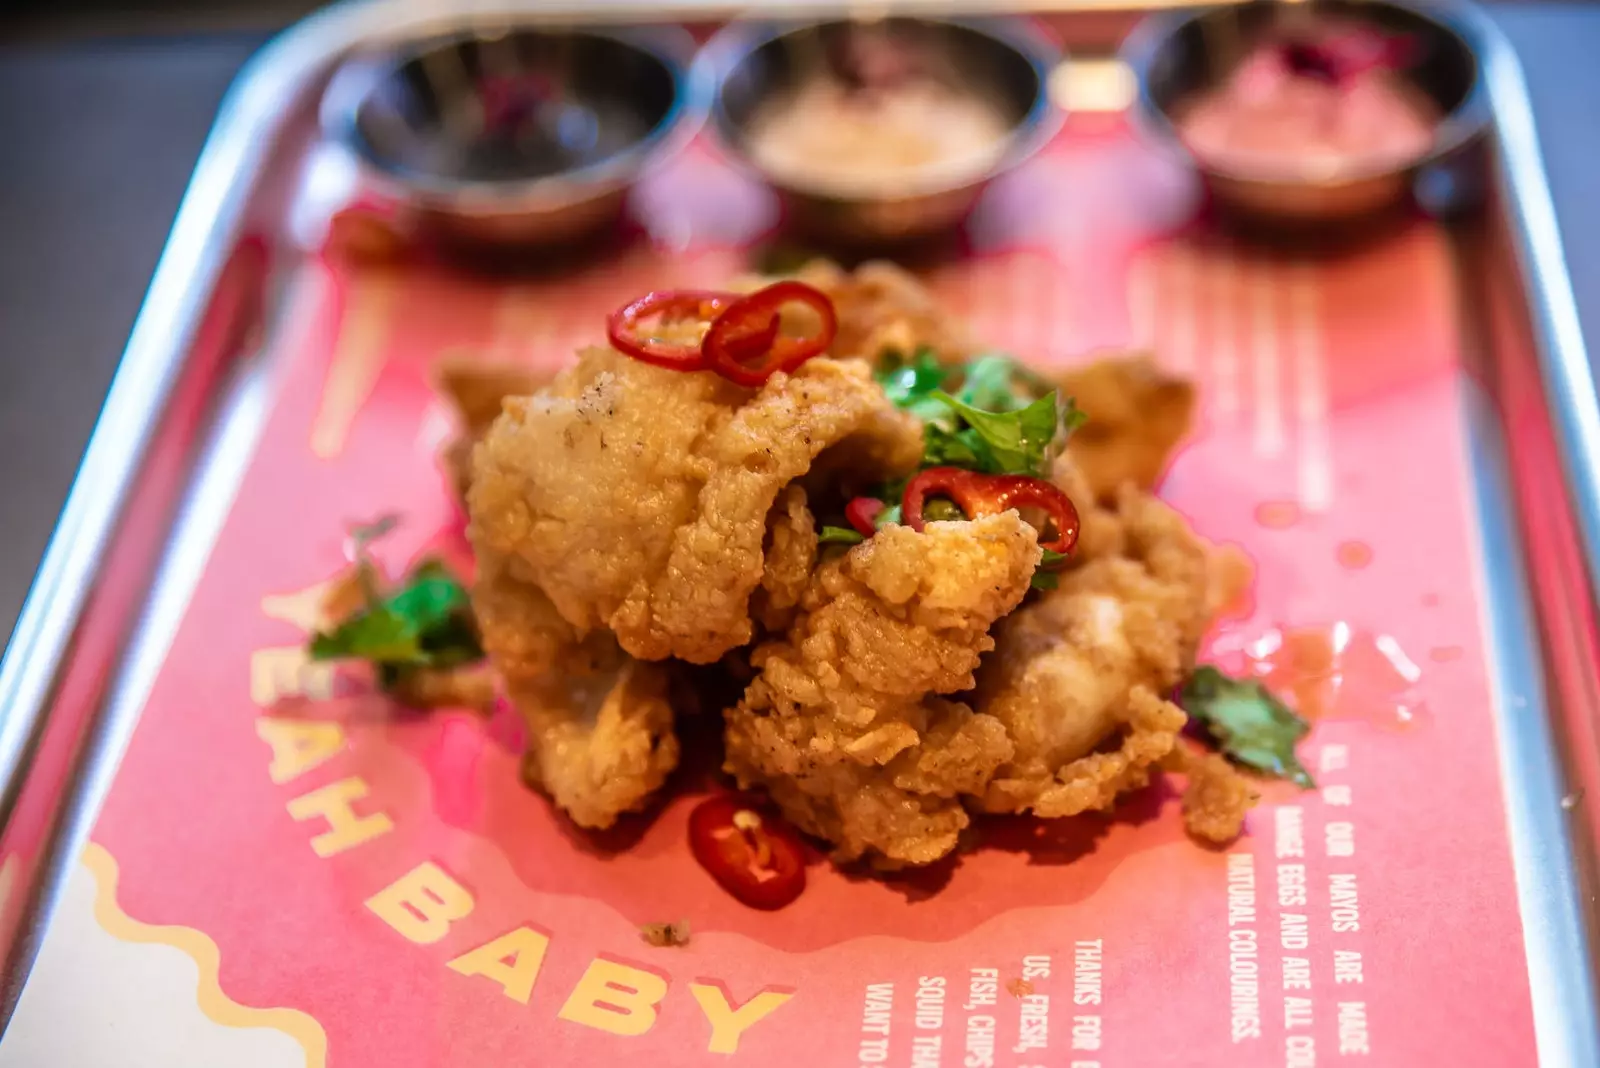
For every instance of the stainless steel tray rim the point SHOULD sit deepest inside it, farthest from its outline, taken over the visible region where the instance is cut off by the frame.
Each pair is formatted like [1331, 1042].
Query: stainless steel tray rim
[207, 226]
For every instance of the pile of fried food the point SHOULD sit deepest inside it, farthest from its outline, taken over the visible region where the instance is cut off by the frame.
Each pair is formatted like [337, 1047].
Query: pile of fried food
[631, 518]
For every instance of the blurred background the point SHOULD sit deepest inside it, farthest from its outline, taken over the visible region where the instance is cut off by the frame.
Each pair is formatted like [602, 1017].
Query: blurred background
[104, 105]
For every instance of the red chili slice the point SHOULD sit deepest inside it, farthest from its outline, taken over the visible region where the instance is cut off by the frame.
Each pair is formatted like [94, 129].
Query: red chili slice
[751, 854]
[862, 513]
[954, 482]
[669, 305]
[729, 344]
[982, 495]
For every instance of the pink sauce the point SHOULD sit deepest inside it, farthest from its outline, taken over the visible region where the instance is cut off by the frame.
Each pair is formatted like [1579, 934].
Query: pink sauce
[1276, 115]
[1333, 671]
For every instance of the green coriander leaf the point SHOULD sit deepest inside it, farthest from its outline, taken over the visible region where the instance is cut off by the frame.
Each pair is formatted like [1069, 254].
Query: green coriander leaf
[905, 380]
[964, 448]
[1041, 423]
[999, 383]
[910, 384]
[429, 597]
[839, 536]
[945, 448]
[1043, 577]
[987, 384]
[1069, 416]
[1068, 419]
[427, 622]
[1019, 442]
[377, 634]
[931, 411]
[1250, 725]
[453, 642]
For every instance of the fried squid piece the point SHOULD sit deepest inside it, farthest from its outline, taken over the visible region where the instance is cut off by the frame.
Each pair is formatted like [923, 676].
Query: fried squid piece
[600, 743]
[1077, 676]
[475, 392]
[1137, 415]
[1217, 796]
[600, 723]
[639, 497]
[790, 555]
[883, 307]
[844, 726]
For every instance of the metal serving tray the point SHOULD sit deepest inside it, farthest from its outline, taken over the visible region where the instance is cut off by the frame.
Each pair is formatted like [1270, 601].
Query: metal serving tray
[190, 399]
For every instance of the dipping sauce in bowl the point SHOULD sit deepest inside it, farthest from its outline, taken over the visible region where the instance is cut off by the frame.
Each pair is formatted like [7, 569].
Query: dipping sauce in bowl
[1314, 103]
[1317, 115]
[880, 132]
[882, 110]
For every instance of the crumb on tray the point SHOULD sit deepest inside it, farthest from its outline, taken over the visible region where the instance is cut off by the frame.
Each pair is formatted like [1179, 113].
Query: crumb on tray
[665, 934]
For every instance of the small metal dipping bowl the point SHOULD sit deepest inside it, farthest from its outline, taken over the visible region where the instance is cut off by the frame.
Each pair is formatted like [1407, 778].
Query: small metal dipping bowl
[1006, 62]
[1177, 56]
[515, 136]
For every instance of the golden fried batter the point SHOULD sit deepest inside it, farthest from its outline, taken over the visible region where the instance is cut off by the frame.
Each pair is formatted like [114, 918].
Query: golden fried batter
[639, 496]
[1089, 661]
[884, 307]
[600, 744]
[1217, 796]
[791, 554]
[625, 514]
[1137, 415]
[842, 726]
[475, 392]
[600, 730]
[523, 634]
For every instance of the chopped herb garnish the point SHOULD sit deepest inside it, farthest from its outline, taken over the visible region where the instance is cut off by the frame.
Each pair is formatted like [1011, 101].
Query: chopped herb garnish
[910, 384]
[839, 536]
[1002, 419]
[1069, 417]
[1021, 442]
[1000, 384]
[1044, 578]
[1249, 724]
[959, 448]
[426, 623]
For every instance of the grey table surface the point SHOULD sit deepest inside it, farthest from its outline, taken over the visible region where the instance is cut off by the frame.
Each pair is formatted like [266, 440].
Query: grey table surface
[83, 217]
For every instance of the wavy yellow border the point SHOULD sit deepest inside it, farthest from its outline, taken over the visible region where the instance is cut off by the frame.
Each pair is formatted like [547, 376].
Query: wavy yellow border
[213, 1002]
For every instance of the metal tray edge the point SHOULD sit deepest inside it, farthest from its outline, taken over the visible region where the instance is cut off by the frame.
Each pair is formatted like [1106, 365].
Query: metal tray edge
[207, 223]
